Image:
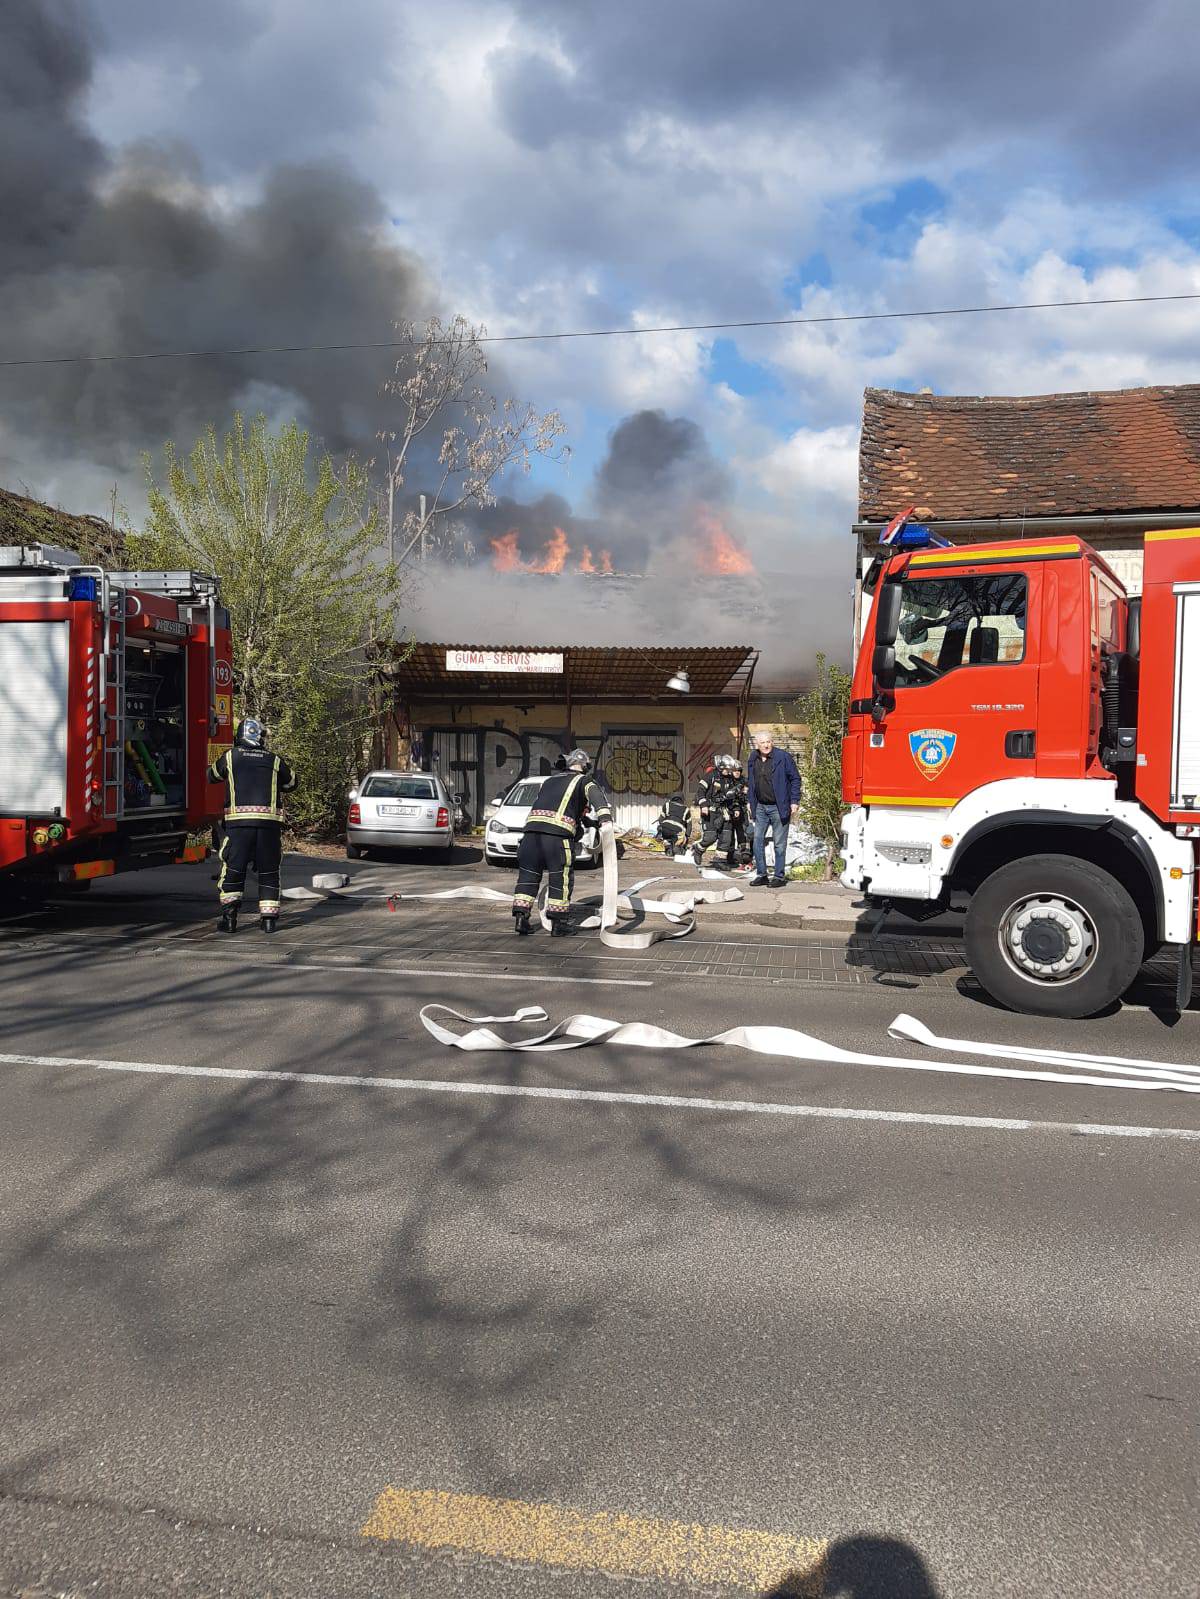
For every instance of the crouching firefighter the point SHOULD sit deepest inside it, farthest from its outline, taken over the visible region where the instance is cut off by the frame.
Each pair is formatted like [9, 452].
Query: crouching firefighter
[255, 783]
[548, 841]
[674, 826]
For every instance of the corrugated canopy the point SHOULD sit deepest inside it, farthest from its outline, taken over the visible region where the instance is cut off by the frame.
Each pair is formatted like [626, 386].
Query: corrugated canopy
[591, 672]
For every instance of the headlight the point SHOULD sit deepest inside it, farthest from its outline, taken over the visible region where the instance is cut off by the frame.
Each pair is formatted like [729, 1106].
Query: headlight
[497, 827]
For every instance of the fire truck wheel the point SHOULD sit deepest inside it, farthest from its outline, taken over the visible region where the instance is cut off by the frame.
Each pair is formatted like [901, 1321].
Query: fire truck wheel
[1054, 936]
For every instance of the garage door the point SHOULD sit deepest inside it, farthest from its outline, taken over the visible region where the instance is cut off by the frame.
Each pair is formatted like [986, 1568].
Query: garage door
[639, 770]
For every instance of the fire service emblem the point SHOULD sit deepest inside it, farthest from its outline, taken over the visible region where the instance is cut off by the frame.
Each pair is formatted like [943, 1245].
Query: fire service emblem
[931, 750]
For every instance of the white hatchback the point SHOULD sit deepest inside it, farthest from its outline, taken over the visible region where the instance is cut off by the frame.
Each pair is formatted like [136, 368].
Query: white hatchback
[502, 836]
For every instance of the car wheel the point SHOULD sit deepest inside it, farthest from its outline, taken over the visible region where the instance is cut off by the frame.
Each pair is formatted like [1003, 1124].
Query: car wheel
[1053, 936]
[353, 853]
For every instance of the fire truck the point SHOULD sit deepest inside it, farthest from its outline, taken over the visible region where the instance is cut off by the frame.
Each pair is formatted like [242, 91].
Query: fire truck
[1024, 739]
[115, 695]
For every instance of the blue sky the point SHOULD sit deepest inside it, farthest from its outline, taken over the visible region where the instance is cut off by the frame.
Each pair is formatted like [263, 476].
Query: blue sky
[539, 166]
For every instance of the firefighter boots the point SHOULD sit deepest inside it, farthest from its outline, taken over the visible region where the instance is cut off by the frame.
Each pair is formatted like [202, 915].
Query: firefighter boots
[268, 923]
[521, 923]
[560, 927]
[228, 922]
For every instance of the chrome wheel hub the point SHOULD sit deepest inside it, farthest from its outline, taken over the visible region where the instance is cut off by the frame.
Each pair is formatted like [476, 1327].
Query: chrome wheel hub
[1048, 938]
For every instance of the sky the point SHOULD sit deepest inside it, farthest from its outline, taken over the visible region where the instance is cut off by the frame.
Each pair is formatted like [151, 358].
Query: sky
[283, 171]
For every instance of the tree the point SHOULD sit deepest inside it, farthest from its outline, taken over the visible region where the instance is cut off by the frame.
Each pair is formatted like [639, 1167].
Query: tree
[437, 385]
[824, 710]
[300, 555]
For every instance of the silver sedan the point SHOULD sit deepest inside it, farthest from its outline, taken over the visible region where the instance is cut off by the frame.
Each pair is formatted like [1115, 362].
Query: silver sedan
[400, 810]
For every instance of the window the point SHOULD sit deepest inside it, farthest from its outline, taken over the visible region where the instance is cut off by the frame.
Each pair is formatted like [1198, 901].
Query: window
[524, 793]
[948, 622]
[409, 788]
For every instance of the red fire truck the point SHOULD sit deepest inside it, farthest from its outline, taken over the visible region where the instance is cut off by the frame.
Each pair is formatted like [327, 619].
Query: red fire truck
[115, 694]
[1025, 737]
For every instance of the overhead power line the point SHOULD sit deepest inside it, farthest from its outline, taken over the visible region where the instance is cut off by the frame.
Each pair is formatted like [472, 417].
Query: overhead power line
[599, 333]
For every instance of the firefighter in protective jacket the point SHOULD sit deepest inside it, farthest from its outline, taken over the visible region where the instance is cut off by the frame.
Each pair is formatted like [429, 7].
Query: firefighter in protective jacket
[255, 782]
[549, 837]
[721, 799]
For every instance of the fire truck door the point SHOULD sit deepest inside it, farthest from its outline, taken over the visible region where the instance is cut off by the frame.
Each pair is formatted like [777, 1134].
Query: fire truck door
[966, 689]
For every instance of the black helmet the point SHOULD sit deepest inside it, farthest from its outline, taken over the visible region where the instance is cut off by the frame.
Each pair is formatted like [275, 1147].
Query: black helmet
[251, 733]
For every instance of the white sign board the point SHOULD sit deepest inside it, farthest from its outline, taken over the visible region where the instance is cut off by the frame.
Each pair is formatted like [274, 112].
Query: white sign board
[542, 662]
[33, 718]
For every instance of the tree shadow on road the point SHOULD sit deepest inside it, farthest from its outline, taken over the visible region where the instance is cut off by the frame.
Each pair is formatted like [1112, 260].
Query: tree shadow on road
[484, 1250]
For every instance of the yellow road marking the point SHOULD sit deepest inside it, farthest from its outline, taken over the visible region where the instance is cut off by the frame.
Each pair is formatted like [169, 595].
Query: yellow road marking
[551, 1535]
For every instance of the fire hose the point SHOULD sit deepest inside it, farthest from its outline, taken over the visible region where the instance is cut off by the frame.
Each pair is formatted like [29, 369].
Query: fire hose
[677, 905]
[788, 1043]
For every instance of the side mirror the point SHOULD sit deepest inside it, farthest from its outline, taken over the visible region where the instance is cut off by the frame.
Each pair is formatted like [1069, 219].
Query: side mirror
[883, 673]
[499, 800]
[353, 794]
[887, 613]
[458, 799]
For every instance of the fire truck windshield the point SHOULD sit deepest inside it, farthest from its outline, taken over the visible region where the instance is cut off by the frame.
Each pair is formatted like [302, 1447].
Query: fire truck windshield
[948, 622]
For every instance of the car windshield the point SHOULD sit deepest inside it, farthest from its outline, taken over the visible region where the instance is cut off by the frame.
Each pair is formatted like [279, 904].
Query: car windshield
[523, 794]
[409, 788]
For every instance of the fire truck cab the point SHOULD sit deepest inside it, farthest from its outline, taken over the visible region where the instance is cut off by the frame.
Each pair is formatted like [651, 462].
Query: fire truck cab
[115, 694]
[1025, 737]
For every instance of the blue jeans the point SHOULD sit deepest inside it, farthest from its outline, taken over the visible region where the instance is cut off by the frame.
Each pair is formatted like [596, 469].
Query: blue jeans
[768, 816]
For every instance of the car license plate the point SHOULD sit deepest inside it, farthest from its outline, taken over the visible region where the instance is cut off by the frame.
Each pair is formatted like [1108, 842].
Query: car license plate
[400, 810]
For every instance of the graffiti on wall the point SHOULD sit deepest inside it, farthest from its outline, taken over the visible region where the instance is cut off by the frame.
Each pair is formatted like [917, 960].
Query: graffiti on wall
[481, 763]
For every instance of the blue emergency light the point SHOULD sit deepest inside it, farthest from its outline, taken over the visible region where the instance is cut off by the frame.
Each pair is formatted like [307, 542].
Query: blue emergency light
[82, 588]
[916, 536]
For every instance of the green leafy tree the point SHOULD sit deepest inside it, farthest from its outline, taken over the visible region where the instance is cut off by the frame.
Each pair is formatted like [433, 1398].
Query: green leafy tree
[824, 710]
[300, 554]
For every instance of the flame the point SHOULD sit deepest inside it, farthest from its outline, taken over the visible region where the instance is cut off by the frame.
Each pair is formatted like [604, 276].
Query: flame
[506, 555]
[720, 552]
[554, 554]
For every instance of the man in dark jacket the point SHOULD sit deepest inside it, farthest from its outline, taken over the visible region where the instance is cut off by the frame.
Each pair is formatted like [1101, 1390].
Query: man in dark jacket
[774, 784]
[255, 782]
[547, 843]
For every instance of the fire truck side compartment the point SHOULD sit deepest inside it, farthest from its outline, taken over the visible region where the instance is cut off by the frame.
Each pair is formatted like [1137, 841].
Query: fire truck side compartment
[33, 718]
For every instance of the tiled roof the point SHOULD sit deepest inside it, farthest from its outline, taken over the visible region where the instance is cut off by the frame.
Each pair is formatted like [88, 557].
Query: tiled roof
[25, 521]
[965, 457]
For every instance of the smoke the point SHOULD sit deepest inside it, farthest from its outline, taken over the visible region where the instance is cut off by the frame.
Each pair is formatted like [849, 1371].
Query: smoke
[101, 254]
[686, 564]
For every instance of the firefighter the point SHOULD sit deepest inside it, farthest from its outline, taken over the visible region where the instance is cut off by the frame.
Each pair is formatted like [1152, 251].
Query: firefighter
[721, 801]
[547, 844]
[674, 825]
[740, 852]
[255, 781]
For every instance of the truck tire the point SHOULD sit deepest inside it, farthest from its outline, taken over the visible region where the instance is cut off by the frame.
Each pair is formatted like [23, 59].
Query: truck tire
[1054, 936]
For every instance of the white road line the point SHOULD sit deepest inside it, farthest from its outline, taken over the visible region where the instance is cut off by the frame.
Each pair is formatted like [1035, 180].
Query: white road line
[603, 1096]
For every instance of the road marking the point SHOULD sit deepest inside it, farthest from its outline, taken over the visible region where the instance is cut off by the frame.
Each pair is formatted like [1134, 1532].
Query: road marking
[618, 1545]
[605, 1096]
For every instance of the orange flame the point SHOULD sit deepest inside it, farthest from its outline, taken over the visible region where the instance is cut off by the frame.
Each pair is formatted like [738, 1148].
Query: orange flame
[720, 552]
[506, 555]
[554, 554]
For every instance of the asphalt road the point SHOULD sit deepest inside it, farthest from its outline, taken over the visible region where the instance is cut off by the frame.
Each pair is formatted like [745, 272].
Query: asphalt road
[959, 1354]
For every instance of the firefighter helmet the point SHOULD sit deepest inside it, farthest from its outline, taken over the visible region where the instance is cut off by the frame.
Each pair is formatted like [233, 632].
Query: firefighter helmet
[726, 762]
[579, 758]
[251, 733]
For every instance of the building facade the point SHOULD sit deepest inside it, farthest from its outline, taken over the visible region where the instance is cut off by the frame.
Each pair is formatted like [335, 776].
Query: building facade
[486, 716]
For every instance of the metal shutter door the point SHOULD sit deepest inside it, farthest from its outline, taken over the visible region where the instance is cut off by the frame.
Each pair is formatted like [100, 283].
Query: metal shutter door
[639, 770]
[33, 717]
